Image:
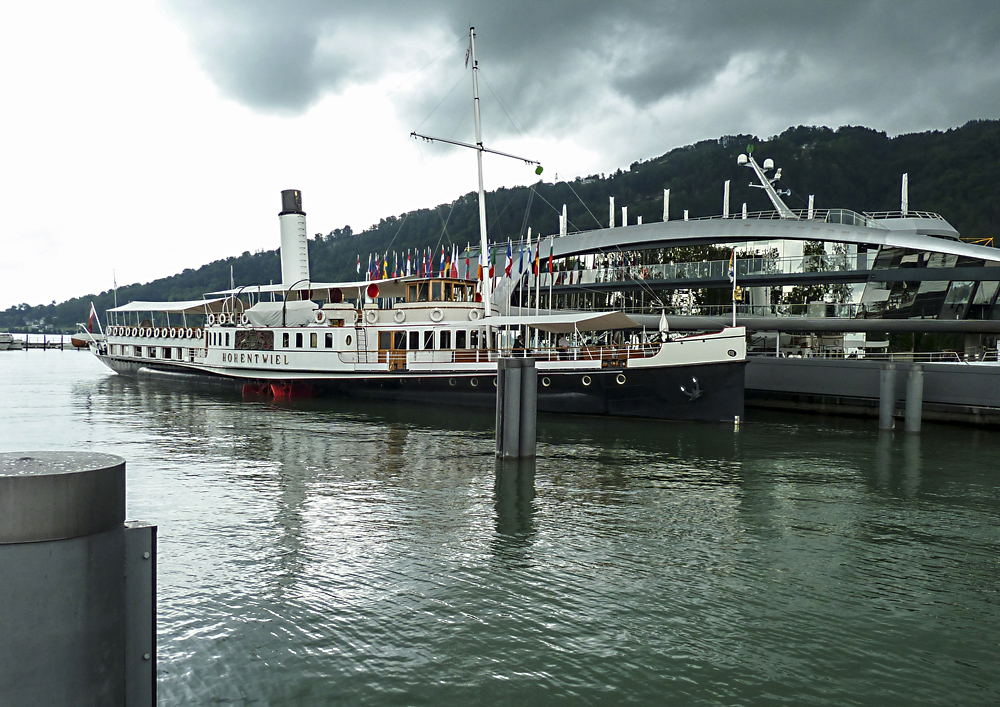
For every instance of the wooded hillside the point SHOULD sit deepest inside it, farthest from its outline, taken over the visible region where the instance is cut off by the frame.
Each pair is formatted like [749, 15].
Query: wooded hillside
[955, 173]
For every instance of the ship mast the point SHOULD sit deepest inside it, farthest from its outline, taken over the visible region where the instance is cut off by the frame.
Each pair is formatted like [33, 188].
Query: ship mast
[483, 245]
[478, 147]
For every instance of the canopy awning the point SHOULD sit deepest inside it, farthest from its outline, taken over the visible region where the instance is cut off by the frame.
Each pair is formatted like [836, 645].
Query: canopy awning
[199, 306]
[568, 323]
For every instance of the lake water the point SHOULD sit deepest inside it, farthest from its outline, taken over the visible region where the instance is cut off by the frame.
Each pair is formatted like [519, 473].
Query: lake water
[348, 553]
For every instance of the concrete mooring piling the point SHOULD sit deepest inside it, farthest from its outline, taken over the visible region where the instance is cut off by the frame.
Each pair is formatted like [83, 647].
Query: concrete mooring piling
[77, 584]
[886, 395]
[517, 407]
[914, 397]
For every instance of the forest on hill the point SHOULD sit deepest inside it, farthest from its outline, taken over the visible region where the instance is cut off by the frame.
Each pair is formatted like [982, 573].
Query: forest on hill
[955, 173]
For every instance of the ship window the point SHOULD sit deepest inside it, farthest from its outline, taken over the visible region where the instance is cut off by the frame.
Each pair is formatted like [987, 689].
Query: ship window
[313, 340]
[460, 339]
[414, 340]
[399, 340]
[448, 294]
[384, 339]
[152, 352]
[436, 291]
[411, 293]
[284, 339]
[428, 339]
[329, 340]
[227, 339]
[422, 291]
[445, 340]
[298, 339]
[474, 339]
[166, 352]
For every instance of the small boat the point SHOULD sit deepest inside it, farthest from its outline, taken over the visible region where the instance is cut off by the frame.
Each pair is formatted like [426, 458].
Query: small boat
[9, 343]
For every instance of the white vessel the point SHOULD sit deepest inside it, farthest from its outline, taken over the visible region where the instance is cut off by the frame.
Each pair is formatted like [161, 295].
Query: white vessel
[9, 343]
[424, 339]
[420, 339]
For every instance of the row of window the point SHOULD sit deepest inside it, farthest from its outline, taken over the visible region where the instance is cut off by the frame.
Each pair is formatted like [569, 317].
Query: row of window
[426, 340]
[413, 340]
[165, 352]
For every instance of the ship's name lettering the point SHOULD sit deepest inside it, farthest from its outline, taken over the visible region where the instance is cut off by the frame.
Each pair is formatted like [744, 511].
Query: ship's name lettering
[255, 359]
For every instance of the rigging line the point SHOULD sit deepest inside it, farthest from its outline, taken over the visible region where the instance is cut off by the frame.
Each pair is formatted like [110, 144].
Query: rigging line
[596, 220]
[503, 107]
[424, 67]
[444, 224]
[443, 99]
[527, 212]
[393, 239]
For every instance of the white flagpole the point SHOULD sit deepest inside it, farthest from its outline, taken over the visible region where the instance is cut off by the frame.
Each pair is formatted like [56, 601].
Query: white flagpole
[733, 260]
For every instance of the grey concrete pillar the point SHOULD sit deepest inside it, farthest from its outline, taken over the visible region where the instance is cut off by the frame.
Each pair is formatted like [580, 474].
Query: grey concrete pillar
[914, 397]
[77, 612]
[517, 407]
[529, 409]
[886, 395]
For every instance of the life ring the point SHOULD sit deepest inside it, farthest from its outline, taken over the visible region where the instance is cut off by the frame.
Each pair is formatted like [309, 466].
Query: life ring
[399, 316]
[210, 319]
[244, 319]
[436, 314]
[199, 333]
[190, 333]
[475, 315]
[133, 331]
[156, 333]
[231, 319]
[371, 316]
[353, 317]
[319, 316]
[645, 273]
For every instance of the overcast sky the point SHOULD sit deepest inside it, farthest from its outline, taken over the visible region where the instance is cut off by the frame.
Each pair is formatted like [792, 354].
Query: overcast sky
[142, 137]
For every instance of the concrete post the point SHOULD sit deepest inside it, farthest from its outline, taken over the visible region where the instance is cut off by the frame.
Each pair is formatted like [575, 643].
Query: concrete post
[516, 407]
[914, 397]
[886, 396]
[77, 617]
[529, 409]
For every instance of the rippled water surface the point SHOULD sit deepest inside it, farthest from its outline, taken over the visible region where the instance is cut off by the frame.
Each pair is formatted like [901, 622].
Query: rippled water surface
[346, 553]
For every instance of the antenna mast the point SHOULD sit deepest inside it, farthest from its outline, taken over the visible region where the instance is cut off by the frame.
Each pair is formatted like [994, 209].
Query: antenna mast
[767, 184]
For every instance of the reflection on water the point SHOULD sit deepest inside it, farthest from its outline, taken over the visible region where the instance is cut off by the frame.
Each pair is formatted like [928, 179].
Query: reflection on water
[321, 552]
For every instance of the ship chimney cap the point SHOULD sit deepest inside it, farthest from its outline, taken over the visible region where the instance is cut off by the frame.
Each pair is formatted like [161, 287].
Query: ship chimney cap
[291, 202]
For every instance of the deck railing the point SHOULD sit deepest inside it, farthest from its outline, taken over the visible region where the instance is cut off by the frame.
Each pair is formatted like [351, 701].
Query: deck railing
[986, 356]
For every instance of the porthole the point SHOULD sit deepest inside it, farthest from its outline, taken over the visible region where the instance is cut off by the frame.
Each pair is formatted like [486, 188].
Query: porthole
[452, 382]
[546, 382]
[620, 379]
[474, 382]
[732, 352]
[347, 341]
[586, 380]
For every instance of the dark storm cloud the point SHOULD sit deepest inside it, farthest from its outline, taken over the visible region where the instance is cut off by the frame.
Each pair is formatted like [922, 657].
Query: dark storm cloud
[871, 60]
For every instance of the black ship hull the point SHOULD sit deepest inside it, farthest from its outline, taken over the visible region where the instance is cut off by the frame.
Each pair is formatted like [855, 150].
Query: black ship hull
[703, 392]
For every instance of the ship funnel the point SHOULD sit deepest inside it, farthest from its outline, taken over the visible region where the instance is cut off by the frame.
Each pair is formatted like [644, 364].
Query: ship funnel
[294, 241]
